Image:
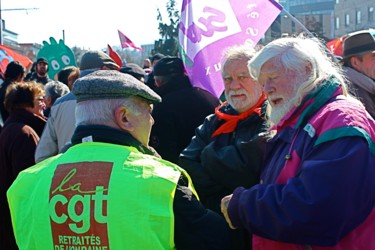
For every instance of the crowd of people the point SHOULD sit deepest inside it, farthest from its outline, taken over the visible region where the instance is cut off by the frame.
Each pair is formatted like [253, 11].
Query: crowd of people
[136, 157]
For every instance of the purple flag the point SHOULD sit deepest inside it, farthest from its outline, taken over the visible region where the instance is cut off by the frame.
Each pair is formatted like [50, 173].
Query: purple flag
[207, 27]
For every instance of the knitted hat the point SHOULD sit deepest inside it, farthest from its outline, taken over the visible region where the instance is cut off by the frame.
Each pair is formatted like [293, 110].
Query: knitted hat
[96, 59]
[111, 84]
[358, 43]
[169, 65]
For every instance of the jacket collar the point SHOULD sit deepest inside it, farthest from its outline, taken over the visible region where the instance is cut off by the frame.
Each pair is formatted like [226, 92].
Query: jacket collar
[36, 122]
[311, 103]
[101, 133]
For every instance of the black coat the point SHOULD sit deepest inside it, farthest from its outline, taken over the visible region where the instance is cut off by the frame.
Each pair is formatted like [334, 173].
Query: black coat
[18, 141]
[182, 110]
[34, 77]
[220, 164]
[3, 112]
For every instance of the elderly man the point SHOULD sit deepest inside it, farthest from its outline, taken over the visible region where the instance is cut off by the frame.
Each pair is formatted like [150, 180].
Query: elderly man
[108, 191]
[359, 67]
[227, 150]
[54, 90]
[317, 189]
[61, 123]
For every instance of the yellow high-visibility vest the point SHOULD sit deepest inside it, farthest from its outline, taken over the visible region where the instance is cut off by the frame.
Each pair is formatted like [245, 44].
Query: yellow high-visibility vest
[95, 196]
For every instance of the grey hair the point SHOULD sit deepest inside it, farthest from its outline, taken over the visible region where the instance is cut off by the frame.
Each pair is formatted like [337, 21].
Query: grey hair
[101, 112]
[55, 89]
[237, 52]
[304, 56]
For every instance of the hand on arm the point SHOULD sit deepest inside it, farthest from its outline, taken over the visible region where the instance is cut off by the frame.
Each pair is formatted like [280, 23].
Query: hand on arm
[224, 209]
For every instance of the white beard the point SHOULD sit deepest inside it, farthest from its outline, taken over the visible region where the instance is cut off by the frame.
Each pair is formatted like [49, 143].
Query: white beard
[238, 104]
[279, 112]
[251, 99]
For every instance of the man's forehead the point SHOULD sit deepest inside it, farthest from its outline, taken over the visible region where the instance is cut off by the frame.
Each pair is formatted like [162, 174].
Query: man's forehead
[271, 67]
[271, 71]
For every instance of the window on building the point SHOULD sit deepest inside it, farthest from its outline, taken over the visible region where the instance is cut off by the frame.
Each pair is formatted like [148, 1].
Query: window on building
[358, 17]
[371, 14]
[347, 19]
[337, 23]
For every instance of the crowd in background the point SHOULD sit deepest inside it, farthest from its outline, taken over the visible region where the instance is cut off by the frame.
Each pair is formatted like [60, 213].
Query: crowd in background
[285, 162]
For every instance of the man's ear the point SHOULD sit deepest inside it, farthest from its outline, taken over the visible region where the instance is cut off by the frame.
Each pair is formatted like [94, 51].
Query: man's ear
[354, 62]
[121, 119]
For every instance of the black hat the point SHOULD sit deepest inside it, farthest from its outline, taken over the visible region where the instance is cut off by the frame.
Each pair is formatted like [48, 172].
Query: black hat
[169, 65]
[358, 43]
[157, 57]
[111, 84]
[133, 69]
[95, 60]
[42, 59]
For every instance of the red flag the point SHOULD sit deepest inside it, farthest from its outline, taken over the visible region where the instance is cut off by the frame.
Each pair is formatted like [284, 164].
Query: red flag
[8, 55]
[115, 56]
[126, 42]
[336, 46]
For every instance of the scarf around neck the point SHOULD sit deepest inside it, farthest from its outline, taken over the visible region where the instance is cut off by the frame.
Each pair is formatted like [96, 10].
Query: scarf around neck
[231, 121]
[311, 103]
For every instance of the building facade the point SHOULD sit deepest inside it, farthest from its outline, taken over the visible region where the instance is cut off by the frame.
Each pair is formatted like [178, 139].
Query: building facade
[353, 15]
[327, 19]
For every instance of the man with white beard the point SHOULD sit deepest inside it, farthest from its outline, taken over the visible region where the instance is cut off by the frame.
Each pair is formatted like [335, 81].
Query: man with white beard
[227, 149]
[317, 189]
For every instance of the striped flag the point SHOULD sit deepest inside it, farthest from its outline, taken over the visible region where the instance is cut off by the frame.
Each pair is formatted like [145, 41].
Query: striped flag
[207, 27]
[126, 42]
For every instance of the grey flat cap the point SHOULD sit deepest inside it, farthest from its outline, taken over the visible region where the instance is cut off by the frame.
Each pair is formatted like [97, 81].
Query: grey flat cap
[97, 59]
[111, 84]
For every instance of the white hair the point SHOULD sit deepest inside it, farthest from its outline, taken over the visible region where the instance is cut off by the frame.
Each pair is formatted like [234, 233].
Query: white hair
[236, 52]
[56, 89]
[306, 57]
[102, 111]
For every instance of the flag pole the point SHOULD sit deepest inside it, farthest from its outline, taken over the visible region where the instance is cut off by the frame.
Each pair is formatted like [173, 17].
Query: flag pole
[308, 32]
[295, 20]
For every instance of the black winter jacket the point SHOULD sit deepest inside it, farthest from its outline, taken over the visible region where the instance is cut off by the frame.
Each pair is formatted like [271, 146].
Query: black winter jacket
[218, 165]
[182, 110]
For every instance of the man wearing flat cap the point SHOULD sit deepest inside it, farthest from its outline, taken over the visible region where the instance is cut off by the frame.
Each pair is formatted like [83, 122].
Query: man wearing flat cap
[109, 190]
[359, 67]
[61, 123]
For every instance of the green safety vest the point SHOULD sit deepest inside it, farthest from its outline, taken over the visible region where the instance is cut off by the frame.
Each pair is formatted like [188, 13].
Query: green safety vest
[95, 196]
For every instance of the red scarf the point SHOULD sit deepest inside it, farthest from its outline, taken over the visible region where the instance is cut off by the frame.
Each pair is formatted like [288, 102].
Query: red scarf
[231, 121]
